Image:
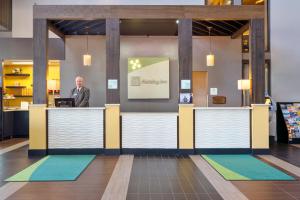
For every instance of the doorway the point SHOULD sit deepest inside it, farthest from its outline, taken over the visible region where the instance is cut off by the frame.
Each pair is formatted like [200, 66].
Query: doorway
[200, 88]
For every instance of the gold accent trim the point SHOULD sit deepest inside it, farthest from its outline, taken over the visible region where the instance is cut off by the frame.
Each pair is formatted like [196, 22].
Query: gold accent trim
[112, 126]
[260, 126]
[186, 127]
[37, 127]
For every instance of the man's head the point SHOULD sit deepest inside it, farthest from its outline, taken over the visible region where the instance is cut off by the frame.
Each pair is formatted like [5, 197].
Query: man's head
[79, 81]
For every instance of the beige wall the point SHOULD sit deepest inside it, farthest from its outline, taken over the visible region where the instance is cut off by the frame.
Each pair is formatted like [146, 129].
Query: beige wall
[285, 41]
[224, 75]
[227, 69]
[94, 75]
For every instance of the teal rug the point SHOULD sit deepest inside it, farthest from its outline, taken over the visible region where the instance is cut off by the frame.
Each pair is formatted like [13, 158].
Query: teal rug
[245, 167]
[54, 168]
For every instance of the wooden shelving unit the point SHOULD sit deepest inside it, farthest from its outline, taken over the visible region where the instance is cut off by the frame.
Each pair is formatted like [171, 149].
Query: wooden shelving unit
[21, 96]
[18, 75]
[21, 87]
[16, 87]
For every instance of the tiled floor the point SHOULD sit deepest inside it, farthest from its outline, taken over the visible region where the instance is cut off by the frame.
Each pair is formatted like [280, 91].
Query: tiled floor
[7, 143]
[151, 178]
[168, 178]
[14, 161]
[277, 190]
[89, 186]
[269, 190]
[287, 152]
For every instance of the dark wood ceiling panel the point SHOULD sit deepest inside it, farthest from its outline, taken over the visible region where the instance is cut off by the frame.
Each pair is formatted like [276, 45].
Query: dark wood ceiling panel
[149, 27]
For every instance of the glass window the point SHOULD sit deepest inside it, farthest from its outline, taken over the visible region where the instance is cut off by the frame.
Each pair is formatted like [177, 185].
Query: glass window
[253, 2]
[219, 2]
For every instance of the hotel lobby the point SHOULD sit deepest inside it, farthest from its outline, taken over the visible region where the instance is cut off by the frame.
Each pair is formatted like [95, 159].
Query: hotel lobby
[149, 100]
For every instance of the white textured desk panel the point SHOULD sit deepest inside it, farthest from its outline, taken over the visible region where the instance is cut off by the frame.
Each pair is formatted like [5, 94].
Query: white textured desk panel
[149, 130]
[75, 128]
[222, 128]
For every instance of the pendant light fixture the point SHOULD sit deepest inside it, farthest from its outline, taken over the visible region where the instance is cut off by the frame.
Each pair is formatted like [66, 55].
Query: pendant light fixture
[210, 58]
[87, 58]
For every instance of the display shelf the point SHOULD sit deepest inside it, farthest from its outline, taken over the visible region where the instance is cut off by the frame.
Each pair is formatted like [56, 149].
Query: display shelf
[288, 122]
[18, 75]
[21, 96]
[16, 87]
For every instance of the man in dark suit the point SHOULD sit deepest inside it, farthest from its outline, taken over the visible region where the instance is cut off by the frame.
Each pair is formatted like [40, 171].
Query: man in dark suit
[80, 93]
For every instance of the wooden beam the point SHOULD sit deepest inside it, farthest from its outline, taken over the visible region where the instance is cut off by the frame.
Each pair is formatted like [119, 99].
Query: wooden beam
[257, 61]
[113, 59]
[215, 24]
[240, 31]
[185, 52]
[56, 31]
[40, 61]
[76, 12]
[5, 15]
[204, 24]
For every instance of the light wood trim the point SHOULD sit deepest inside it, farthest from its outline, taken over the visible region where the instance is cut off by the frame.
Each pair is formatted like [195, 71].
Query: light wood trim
[148, 12]
[186, 127]
[37, 127]
[118, 184]
[112, 127]
[260, 126]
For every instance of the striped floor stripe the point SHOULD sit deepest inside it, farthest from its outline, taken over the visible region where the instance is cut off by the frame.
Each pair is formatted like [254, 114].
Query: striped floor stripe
[14, 147]
[282, 164]
[225, 188]
[296, 145]
[118, 184]
[10, 188]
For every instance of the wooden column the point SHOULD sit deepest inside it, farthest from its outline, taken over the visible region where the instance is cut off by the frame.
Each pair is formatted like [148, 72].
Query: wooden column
[112, 59]
[40, 61]
[185, 52]
[257, 61]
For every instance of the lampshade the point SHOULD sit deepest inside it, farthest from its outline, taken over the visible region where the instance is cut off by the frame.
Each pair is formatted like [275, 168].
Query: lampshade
[210, 60]
[87, 60]
[52, 85]
[244, 84]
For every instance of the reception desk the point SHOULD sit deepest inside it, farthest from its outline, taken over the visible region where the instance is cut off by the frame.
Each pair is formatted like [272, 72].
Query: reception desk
[191, 130]
[75, 129]
[222, 128]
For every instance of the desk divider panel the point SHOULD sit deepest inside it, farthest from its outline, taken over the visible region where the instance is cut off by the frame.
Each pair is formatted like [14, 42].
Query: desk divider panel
[149, 130]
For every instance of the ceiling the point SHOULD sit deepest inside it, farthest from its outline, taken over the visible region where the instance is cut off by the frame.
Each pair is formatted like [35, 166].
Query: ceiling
[148, 27]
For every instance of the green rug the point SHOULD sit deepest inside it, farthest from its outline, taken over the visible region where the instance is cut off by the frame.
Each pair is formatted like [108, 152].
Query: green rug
[54, 168]
[244, 167]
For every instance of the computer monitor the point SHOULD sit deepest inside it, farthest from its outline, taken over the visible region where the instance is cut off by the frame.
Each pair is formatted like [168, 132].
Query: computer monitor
[64, 102]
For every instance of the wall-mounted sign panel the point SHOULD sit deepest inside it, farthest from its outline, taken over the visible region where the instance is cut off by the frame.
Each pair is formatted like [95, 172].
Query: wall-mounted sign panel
[148, 78]
[185, 84]
[112, 84]
[213, 91]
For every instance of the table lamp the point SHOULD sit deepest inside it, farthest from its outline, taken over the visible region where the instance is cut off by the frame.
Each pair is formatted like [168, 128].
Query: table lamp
[52, 85]
[244, 85]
